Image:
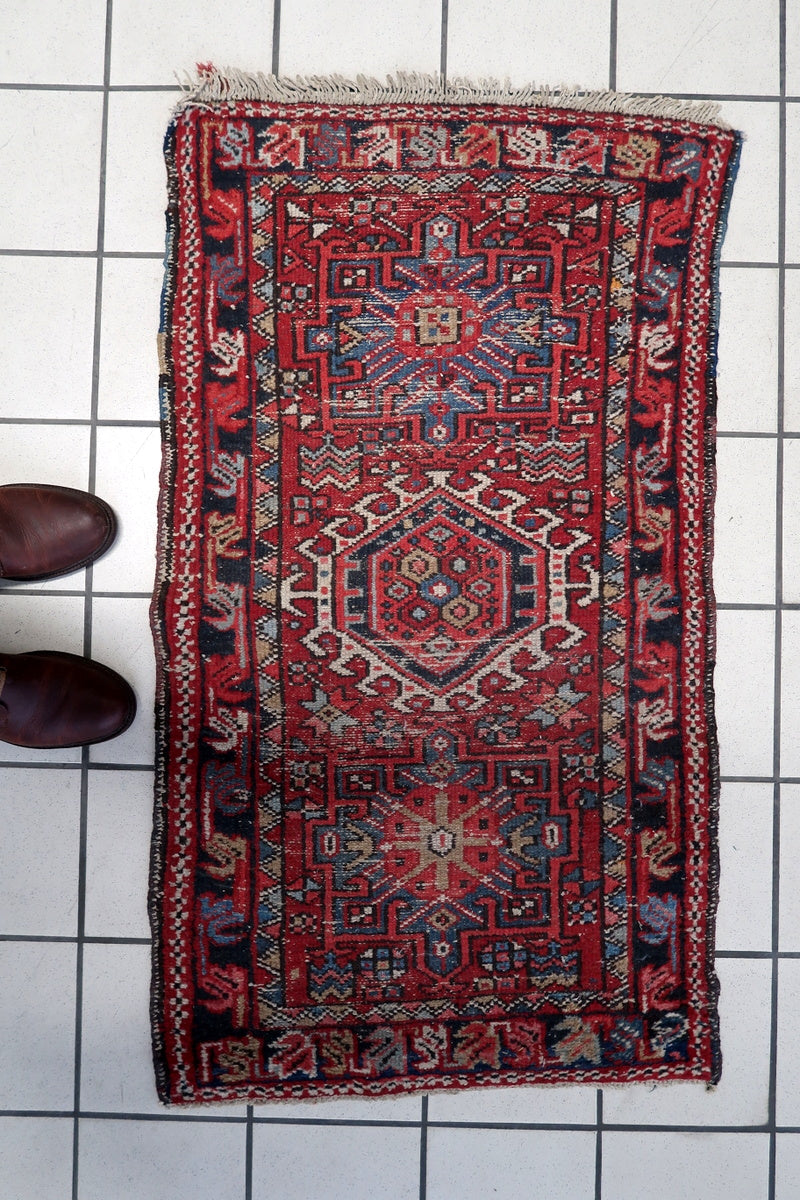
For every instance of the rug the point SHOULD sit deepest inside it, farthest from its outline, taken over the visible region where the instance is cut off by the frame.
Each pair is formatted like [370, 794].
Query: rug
[437, 777]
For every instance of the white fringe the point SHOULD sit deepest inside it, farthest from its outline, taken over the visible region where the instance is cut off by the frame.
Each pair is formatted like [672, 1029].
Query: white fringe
[212, 86]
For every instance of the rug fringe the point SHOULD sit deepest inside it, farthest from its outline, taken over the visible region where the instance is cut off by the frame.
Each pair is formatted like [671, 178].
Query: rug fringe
[212, 86]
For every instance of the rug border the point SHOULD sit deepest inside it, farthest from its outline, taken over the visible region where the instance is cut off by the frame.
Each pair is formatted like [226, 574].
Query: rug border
[709, 504]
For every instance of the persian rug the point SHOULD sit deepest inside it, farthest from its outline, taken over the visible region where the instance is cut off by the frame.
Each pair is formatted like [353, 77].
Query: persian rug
[437, 776]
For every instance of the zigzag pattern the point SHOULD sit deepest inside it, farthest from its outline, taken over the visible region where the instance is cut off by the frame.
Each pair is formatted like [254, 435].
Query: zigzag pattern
[554, 459]
[330, 465]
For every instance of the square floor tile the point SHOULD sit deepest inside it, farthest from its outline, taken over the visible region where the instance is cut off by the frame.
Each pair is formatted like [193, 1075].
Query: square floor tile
[793, 183]
[57, 454]
[742, 1096]
[744, 698]
[121, 638]
[747, 371]
[787, 1093]
[136, 178]
[745, 516]
[49, 164]
[472, 1164]
[565, 41]
[47, 315]
[719, 46]
[353, 37]
[116, 1052]
[40, 622]
[37, 1025]
[516, 1105]
[790, 694]
[36, 1157]
[161, 1160]
[685, 1166]
[47, 41]
[752, 233]
[787, 1166]
[791, 363]
[128, 339]
[151, 41]
[744, 920]
[40, 814]
[120, 819]
[791, 520]
[337, 1162]
[128, 462]
[789, 925]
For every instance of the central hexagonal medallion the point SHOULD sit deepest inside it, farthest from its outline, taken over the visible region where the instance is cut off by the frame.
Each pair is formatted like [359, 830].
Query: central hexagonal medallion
[440, 590]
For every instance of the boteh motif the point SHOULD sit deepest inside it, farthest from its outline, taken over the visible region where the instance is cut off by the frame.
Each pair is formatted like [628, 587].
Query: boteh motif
[437, 767]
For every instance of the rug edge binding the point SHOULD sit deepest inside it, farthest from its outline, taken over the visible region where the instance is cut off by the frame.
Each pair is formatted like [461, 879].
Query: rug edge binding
[211, 86]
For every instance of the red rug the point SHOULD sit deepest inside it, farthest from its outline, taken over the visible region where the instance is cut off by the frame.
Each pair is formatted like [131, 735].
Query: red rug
[437, 774]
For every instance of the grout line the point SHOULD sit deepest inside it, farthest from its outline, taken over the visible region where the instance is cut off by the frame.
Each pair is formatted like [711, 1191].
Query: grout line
[746, 955]
[760, 779]
[612, 47]
[423, 1149]
[22, 252]
[735, 607]
[335, 1121]
[81, 921]
[722, 97]
[443, 43]
[76, 766]
[73, 939]
[87, 625]
[747, 433]
[248, 1155]
[82, 88]
[164, 1118]
[72, 593]
[14, 252]
[777, 729]
[276, 35]
[112, 766]
[88, 421]
[169, 88]
[608, 1126]
[178, 1114]
[598, 1149]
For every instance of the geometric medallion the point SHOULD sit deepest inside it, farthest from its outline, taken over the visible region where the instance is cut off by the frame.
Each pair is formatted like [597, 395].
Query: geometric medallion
[436, 590]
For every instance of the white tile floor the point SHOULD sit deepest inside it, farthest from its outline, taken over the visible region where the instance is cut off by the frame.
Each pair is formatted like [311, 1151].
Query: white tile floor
[85, 94]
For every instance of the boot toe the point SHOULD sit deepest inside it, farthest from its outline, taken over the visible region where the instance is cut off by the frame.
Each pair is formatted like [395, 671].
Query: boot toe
[47, 531]
[51, 700]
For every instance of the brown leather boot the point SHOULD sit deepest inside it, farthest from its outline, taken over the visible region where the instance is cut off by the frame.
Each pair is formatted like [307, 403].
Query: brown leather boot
[47, 531]
[50, 701]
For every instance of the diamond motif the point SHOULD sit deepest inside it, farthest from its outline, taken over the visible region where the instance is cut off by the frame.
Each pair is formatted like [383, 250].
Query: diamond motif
[472, 583]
